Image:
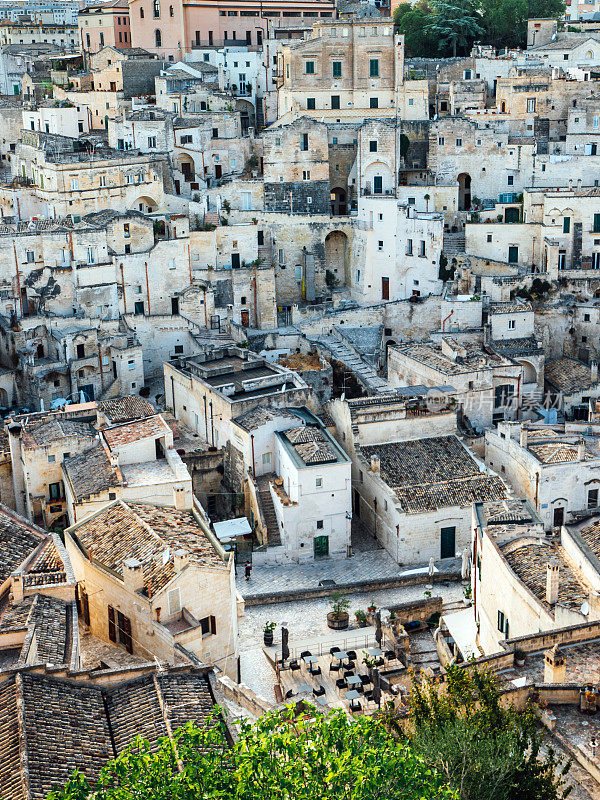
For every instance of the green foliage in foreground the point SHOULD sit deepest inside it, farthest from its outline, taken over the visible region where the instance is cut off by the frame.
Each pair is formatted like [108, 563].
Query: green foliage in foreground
[279, 757]
[487, 751]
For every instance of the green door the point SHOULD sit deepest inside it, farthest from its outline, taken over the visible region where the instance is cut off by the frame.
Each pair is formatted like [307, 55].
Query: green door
[321, 546]
[513, 254]
[448, 543]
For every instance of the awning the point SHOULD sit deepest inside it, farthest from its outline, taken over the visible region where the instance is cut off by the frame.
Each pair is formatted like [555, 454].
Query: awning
[462, 628]
[231, 528]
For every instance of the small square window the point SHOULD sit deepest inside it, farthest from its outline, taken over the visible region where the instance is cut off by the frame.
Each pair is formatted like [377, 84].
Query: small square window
[51, 459]
[318, 482]
[373, 146]
[319, 524]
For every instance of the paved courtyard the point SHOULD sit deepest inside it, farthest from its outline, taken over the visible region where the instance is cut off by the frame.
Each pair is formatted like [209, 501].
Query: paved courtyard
[306, 621]
[374, 565]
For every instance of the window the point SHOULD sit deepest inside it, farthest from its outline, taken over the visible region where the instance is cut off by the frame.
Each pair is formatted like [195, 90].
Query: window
[531, 105]
[596, 121]
[119, 629]
[596, 223]
[335, 101]
[156, 9]
[373, 67]
[592, 498]
[178, 349]
[103, 181]
[51, 459]
[55, 491]
[208, 626]
[91, 255]
[112, 496]
[30, 256]
[380, 244]
[511, 324]
[138, 309]
[304, 142]
[566, 224]
[152, 141]
[305, 174]
[501, 619]
[373, 146]
[309, 67]
[489, 237]
[562, 259]
[171, 14]
[422, 248]
[141, 13]
[373, 102]
[75, 186]
[80, 351]
[266, 460]
[510, 180]
[336, 69]
[459, 142]
[409, 247]
[174, 601]
[157, 38]
[320, 524]
[318, 482]
[441, 141]
[310, 103]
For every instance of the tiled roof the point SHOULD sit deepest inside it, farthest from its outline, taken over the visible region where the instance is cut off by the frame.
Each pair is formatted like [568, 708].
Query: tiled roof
[149, 533]
[432, 473]
[255, 417]
[511, 307]
[41, 434]
[63, 725]
[529, 561]
[506, 511]
[91, 472]
[48, 620]
[524, 345]
[18, 540]
[311, 444]
[568, 375]
[124, 409]
[432, 356]
[134, 431]
[554, 452]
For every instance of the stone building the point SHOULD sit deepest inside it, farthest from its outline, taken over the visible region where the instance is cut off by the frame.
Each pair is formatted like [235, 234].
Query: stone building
[104, 25]
[554, 468]
[154, 579]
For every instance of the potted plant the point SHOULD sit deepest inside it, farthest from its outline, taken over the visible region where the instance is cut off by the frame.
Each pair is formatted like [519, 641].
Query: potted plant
[519, 657]
[338, 617]
[268, 633]
[372, 608]
[361, 618]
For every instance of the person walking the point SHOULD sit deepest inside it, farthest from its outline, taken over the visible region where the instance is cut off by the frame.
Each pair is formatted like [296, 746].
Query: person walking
[247, 570]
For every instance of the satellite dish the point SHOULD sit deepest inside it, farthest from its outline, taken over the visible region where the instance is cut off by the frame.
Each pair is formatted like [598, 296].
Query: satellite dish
[585, 608]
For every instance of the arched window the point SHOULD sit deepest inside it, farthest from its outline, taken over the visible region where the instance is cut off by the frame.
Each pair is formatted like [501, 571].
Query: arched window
[157, 38]
[141, 13]
[171, 14]
[156, 9]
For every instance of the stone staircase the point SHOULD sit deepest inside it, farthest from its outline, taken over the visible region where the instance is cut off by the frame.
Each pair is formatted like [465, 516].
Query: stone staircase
[112, 391]
[363, 371]
[212, 218]
[268, 510]
[454, 243]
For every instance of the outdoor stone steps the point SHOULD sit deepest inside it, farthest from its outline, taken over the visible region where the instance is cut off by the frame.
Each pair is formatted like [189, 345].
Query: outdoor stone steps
[363, 371]
[454, 243]
[268, 510]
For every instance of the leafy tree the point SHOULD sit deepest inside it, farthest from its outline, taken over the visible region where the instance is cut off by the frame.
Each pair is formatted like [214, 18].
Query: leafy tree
[487, 751]
[551, 9]
[455, 24]
[504, 22]
[412, 21]
[280, 756]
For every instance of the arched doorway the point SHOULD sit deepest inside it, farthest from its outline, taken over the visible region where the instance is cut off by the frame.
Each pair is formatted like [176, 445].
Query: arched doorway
[144, 204]
[3, 398]
[464, 191]
[187, 166]
[339, 205]
[336, 249]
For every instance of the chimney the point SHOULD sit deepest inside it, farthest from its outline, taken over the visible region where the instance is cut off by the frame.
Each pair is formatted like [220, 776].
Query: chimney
[375, 463]
[179, 499]
[555, 668]
[581, 450]
[181, 559]
[578, 183]
[133, 575]
[552, 582]
[594, 371]
[17, 588]
[524, 435]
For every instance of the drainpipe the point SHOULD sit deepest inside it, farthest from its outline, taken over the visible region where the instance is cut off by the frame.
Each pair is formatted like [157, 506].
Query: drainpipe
[190, 264]
[173, 396]
[147, 286]
[18, 277]
[474, 568]
[446, 320]
[123, 284]
[205, 420]
[212, 424]
[100, 364]
[537, 488]
[253, 463]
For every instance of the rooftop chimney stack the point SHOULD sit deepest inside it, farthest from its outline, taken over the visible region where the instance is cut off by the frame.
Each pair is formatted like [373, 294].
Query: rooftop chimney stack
[181, 559]
[179, 498]
[555, 668]
[524, 435]
[581, 450]
[552, 582]
[594, 371]
[133, 575]
[375, 463]
[17, 588]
